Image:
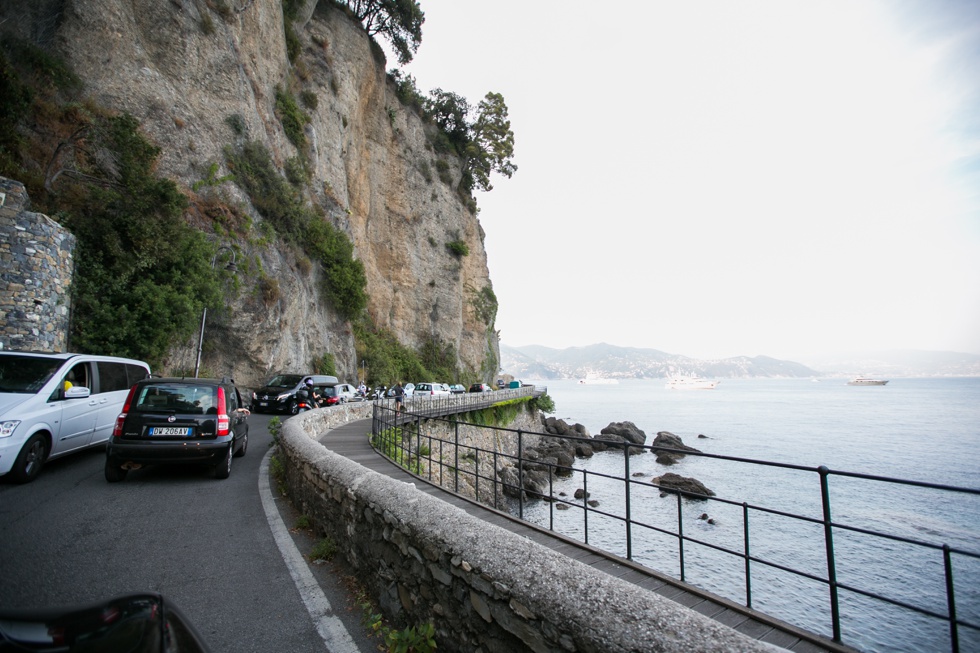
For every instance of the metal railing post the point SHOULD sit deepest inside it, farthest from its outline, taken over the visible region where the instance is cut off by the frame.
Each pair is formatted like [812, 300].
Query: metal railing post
[456, 462]
[748, 562]
[520, 473]
[828, 534]
[585, 498]
[629, 518]
[954, 636]
[551, 502]
[496, 490]
[680, 534]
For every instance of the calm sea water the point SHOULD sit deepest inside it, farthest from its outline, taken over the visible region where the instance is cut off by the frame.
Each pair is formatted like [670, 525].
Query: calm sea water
[918, 429]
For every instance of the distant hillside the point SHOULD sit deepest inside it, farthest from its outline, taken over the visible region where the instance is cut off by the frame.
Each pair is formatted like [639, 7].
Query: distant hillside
[610, 361]
[899, 363]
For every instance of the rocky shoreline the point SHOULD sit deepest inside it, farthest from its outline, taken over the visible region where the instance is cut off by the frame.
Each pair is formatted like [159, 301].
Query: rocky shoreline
[555, 452]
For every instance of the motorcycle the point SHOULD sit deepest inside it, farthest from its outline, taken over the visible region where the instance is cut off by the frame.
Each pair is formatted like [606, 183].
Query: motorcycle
[379, 392]
[304, 402]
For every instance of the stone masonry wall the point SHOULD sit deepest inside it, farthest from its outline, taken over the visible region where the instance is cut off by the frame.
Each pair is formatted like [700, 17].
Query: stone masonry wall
[36, 267]
[484, 588]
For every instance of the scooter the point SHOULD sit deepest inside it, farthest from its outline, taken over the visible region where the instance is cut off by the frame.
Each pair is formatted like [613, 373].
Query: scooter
[303, 402]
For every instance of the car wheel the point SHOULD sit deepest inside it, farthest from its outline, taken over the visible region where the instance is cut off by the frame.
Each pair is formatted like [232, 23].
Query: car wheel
[242, 449]
[30, 459]
[113, 472]
[223, 469]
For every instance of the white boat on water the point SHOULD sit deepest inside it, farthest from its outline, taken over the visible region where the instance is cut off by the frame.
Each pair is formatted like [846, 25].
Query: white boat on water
[595, 380]
[861, 380]
[690, 383]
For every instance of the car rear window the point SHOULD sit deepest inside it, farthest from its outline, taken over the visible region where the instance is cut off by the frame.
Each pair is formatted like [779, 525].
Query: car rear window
[184, 399]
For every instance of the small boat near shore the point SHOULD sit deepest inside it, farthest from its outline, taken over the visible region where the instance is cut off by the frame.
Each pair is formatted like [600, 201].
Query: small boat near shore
[861, 380]
[690, 383]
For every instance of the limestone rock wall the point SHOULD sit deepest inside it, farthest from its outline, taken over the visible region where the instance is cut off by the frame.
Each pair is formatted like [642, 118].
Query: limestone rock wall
[184, 67]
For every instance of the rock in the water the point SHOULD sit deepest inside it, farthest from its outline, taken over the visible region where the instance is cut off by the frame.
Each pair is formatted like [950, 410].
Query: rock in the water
[675, 446]
[626, 430]
[686, 486]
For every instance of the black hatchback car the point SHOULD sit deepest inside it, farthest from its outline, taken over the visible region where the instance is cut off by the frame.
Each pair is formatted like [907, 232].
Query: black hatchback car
[195, 421]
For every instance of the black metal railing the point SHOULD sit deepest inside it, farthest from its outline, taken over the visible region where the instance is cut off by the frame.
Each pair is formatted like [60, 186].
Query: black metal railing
[425, 439]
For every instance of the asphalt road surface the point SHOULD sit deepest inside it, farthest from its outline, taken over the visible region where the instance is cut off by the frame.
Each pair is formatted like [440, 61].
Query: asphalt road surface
[221, 550]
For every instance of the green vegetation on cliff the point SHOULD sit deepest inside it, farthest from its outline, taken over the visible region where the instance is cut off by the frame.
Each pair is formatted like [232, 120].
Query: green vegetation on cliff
[143, 275]
[484, 144]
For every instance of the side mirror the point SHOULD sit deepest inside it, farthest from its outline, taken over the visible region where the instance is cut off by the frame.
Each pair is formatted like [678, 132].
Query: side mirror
[140, 623]
[77, 392]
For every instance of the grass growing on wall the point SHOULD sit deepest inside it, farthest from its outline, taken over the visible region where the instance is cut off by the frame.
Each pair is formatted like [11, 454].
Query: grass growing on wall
[501, 414]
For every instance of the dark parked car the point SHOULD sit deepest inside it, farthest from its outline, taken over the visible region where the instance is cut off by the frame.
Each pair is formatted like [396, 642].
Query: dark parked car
[457, 389]
[197, 421]
[278, 395]
[480, 387]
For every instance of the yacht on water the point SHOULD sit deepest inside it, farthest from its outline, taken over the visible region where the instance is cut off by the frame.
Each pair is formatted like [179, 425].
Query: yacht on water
[690, 383]
[861, 380]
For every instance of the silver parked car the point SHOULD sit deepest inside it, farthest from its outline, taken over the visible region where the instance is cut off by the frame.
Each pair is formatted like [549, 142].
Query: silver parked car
[54, 404]
[431, 389]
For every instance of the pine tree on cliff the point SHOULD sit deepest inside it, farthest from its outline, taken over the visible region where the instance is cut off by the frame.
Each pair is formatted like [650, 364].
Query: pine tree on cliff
[399, 21]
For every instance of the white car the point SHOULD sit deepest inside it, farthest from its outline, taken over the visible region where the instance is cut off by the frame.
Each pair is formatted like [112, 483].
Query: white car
[54, 404]
[431, 389]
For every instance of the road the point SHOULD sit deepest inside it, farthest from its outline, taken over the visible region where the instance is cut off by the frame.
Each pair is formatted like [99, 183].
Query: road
[207, 545]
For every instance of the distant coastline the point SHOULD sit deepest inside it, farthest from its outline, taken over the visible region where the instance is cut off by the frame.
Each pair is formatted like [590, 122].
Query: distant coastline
[619, 363]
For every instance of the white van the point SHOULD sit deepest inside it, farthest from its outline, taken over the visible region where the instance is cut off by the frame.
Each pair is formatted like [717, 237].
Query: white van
[54, 404]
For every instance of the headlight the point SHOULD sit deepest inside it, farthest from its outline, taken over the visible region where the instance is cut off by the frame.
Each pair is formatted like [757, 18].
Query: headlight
[283, 397]
[254, 396]
[7, 428]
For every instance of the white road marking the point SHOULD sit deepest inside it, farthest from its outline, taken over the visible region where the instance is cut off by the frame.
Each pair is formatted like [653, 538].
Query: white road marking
[336, 639]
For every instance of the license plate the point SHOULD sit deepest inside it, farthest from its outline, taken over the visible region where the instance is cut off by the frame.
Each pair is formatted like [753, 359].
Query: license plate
[170, 430]
[263, 403]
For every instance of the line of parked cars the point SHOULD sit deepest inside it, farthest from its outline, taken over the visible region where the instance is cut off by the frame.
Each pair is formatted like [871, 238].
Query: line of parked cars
[280, 394]
[441, 389]
[52, 405]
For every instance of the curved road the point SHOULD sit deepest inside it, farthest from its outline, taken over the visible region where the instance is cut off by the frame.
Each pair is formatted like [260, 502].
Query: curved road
[208, 546]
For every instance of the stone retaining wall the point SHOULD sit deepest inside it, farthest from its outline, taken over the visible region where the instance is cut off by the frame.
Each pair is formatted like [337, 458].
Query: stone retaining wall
[484, 588]
[36, 268]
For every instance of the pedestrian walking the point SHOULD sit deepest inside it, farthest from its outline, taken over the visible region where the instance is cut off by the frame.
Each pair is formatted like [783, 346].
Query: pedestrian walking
[399, 392]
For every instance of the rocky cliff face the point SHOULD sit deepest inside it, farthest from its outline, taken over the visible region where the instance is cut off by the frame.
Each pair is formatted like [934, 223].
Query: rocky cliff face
[184, 67]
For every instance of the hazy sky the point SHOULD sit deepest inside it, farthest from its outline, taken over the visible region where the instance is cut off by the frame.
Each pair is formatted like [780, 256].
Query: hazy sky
[731, 177]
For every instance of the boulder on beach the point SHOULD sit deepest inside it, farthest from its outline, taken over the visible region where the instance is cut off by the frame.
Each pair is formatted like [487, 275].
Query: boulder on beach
[686, 486]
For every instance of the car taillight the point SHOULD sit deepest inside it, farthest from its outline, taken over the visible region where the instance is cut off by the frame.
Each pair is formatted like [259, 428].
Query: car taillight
[118, 427]
[224, 424]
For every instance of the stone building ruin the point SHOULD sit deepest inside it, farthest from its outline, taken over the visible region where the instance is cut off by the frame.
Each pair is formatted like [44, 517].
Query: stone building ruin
[36, 267]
